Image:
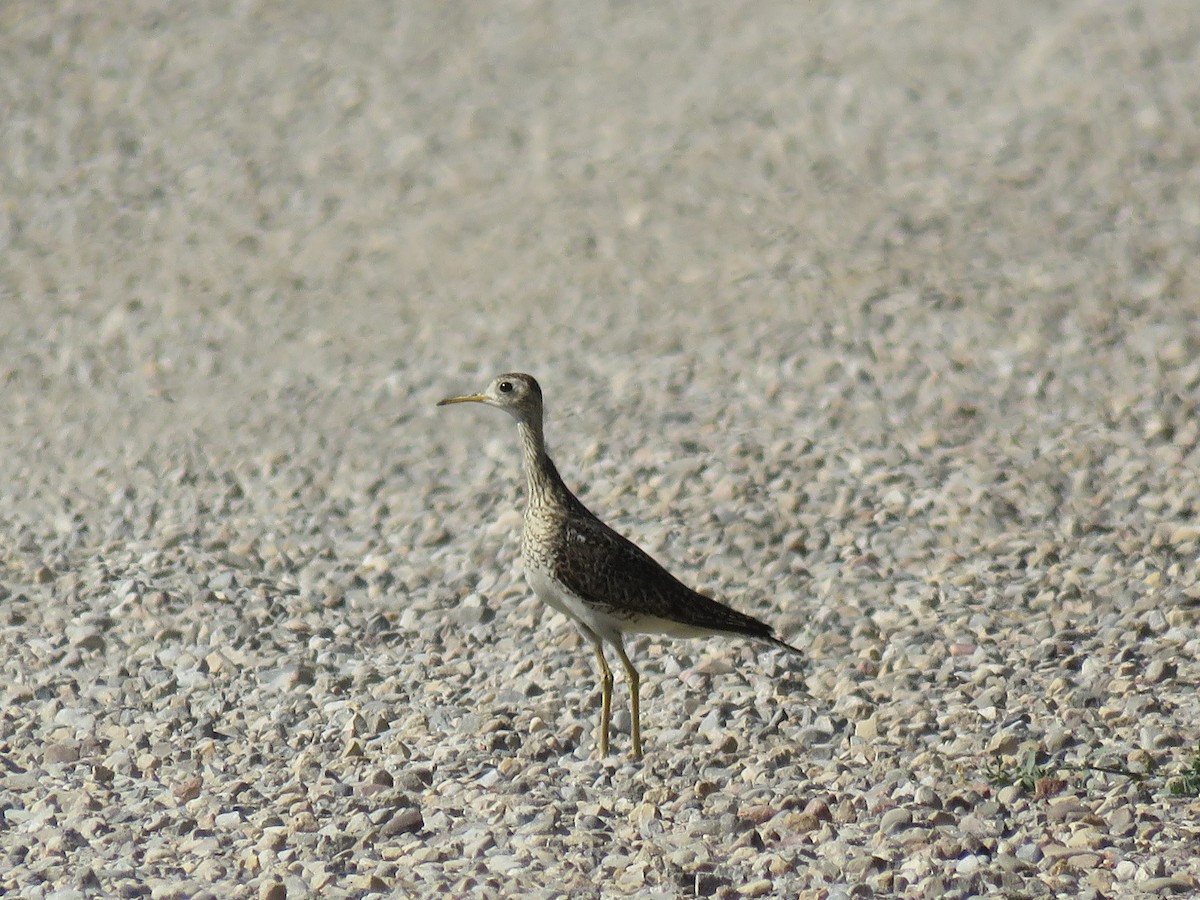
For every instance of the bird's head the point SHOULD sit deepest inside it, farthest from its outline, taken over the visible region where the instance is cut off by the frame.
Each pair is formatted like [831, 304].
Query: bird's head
[517, 394]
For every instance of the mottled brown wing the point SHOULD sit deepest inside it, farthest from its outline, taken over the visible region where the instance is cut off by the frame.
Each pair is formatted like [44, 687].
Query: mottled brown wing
[612, 572]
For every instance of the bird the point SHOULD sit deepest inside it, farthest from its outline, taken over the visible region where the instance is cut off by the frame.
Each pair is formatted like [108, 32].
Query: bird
[584, 569]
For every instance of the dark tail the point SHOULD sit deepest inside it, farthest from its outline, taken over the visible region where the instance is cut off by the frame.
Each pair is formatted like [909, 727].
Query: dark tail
[785, 645]
[709, 613]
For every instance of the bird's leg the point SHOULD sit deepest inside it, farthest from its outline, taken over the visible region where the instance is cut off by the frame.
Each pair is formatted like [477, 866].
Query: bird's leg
[634, 686]
[606, 686]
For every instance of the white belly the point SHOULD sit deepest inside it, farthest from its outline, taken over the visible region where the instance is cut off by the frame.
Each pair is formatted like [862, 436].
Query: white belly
[557, 597]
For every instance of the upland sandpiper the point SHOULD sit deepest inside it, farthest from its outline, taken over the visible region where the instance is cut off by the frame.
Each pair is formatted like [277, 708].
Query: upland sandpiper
[579, 566]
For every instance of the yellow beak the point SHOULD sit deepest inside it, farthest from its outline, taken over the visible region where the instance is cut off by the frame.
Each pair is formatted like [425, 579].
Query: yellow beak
[469, 398]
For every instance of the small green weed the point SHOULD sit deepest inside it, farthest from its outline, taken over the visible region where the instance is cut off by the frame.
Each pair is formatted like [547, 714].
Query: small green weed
[1187, 784]
[1048, 778]
[1027, 773]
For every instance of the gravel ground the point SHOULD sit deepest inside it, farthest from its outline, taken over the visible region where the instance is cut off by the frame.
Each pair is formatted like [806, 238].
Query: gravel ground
[877, 320]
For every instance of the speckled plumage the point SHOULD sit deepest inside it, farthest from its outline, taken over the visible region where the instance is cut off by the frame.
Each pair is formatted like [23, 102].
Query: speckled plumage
[615, 575]
[581, 567]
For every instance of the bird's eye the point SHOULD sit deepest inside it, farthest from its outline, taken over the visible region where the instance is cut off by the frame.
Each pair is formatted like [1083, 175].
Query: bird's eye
[505, 386]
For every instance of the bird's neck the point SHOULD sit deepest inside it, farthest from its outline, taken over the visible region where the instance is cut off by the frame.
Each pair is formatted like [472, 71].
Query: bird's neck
[545, 485]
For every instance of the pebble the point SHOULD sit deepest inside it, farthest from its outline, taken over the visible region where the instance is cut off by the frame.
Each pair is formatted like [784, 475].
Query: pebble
[1121, 821]
[1069, 809]
[760, 888]
[1125, 870]
[895, 819]
[1158, 670]
[969, 864]
[404, 821]
[1173, 884]
[1029, 852]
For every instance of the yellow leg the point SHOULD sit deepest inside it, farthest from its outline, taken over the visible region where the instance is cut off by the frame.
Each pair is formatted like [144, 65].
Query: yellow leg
[634, 689]
[606, 686]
